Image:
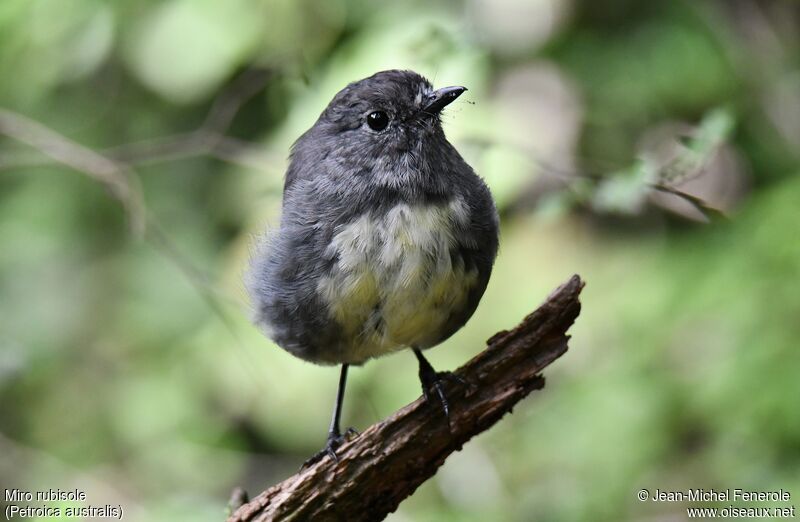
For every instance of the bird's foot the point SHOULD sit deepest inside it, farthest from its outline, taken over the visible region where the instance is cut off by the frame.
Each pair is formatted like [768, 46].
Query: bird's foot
[433, 387]
[335, 439]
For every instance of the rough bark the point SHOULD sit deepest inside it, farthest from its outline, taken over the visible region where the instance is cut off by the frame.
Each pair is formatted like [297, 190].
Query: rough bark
[388, 461]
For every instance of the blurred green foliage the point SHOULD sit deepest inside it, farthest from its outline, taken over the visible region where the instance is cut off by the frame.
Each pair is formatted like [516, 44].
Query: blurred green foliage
[128, 367]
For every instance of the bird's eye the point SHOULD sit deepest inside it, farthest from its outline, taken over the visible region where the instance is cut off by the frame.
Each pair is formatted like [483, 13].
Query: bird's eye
[377, 120]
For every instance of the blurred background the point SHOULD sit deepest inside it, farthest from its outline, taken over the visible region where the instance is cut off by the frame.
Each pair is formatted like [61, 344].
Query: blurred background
[652, 147]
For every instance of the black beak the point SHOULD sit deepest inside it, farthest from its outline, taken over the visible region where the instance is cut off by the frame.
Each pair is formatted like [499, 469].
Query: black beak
[441, 98]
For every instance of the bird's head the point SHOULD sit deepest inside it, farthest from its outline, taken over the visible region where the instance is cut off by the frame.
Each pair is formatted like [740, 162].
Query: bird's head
[387, 112]
[380, 133]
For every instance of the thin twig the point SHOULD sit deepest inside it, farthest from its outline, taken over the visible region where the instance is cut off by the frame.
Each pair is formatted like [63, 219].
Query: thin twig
[209, 139]
[117, 177]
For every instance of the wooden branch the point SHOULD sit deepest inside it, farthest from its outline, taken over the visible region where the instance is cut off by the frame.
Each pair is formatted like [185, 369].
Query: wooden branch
[388, 461]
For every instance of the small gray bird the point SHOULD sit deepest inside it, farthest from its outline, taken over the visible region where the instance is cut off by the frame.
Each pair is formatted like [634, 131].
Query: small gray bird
[387, 236]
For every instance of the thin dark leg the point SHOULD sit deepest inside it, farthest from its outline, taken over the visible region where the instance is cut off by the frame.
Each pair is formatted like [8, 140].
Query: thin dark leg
[433, 381]
[335, 436]
[334, 430]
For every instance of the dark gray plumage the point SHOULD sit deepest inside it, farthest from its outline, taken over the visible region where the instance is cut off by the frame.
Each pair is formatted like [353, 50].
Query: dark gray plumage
[387, 236]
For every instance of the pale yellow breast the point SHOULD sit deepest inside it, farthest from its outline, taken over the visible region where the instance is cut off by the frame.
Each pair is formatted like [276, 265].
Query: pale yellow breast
[395, 284]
